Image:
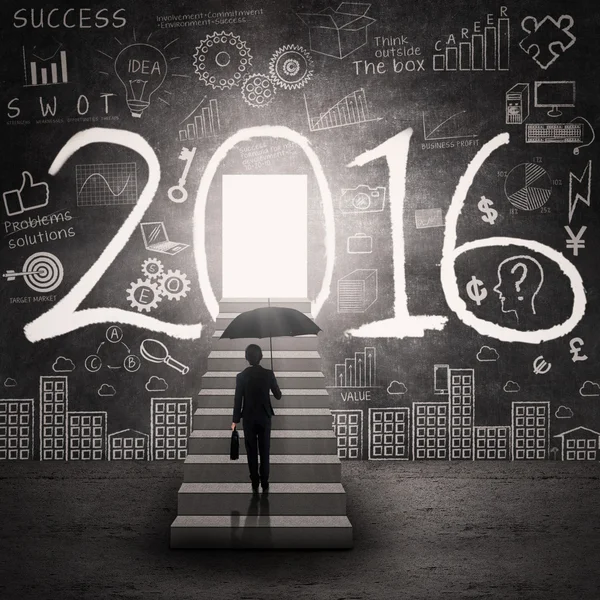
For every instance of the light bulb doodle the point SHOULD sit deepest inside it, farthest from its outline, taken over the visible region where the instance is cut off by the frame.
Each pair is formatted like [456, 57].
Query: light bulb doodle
[141, 68]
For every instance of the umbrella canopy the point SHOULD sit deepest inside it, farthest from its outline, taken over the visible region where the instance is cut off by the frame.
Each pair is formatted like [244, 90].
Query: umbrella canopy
[270, 321]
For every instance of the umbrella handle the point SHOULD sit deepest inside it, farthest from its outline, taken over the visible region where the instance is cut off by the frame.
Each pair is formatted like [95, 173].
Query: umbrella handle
[270, 339]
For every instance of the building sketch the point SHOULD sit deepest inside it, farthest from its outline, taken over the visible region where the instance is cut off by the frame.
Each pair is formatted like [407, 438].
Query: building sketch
[492, 443]
[580, 443]
[170, 421]
[87, 435]
[348, 428]
[128, 444]
[16, 429]
[54, 403]
[430, 430]
[389, 433]
[531, 430]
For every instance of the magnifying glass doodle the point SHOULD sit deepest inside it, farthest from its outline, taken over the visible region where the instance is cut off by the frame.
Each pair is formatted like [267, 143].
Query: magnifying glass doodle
[157, 352]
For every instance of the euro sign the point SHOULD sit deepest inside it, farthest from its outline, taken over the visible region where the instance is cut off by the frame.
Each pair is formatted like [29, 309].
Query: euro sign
[540, 366]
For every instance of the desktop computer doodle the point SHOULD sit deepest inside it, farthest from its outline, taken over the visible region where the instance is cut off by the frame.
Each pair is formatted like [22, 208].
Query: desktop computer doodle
[156, 239]
[517, 104]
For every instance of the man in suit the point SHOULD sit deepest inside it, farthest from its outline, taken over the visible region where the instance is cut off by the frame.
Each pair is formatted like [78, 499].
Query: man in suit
[253, 404]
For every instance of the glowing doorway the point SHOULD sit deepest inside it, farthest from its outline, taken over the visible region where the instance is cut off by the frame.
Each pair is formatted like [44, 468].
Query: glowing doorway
[265, 236]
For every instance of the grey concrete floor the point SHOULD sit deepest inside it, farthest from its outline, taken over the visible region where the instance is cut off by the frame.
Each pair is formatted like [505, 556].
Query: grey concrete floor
[421, 530]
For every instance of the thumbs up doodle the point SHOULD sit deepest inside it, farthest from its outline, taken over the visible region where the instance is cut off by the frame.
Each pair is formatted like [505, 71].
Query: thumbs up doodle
[28, 197]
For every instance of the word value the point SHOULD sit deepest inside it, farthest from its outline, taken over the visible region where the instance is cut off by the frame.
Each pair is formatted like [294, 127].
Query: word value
[356, 396]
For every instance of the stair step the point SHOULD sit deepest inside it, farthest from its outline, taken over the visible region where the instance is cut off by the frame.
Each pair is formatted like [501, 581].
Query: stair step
[285, 418]
[302, 441]
[261, 531]
[285, 360]
[285, 379]
[284, 468]
[245, 304]
[283, 499]
[300, 342]
[292, 398]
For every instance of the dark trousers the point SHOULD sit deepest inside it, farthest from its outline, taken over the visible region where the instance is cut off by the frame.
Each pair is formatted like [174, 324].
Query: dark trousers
[257, 439]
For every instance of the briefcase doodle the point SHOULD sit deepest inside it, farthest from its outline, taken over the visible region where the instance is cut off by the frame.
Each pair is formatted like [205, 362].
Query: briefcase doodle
[359, 243]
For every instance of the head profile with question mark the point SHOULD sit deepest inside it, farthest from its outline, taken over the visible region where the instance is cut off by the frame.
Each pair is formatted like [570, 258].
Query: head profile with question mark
[519, 281]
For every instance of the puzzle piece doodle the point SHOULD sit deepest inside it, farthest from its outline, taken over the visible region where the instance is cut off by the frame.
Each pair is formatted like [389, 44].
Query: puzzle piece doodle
[547, 39]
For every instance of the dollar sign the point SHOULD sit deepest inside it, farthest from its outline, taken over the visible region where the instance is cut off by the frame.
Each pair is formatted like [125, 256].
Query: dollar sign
[475, 292]
[485, 206]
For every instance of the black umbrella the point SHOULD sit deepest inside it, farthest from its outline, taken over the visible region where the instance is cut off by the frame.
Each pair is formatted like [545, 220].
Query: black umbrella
[270, 321]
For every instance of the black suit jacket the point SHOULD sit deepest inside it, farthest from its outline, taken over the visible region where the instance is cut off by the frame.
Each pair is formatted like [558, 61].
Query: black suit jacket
[252, 400]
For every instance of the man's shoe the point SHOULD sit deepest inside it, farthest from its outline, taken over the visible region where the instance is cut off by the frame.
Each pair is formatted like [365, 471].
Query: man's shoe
[265, 486]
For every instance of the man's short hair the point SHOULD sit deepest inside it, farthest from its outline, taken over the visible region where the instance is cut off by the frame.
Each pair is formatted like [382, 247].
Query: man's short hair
[253, 354]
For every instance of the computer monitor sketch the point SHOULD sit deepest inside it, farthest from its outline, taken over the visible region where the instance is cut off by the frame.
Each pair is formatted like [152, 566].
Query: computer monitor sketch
[554, 95]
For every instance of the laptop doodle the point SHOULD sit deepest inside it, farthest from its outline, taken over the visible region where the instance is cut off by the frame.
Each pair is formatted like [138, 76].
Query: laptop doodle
[156, 239]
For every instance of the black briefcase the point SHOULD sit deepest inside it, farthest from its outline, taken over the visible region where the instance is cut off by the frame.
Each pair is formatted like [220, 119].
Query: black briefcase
[234, 452]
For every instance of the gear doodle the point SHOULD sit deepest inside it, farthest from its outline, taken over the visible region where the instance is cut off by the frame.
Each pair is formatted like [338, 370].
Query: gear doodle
[152, 268]
[174, 285]
[291, 67]
[144, 295]
[221, 59]
[258, 90]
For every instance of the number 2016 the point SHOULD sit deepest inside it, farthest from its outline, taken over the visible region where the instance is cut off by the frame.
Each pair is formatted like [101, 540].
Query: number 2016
[65, 316]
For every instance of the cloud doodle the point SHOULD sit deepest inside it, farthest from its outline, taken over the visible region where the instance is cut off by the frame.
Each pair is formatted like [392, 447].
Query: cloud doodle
[156, 384]
[396, 387]
[106, 390]
[590, 388]
[487, 354]
[63, 365]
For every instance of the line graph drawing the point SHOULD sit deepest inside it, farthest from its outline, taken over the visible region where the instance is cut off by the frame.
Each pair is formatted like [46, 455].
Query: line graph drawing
[452, 131]
[352, 109]
[109, 184]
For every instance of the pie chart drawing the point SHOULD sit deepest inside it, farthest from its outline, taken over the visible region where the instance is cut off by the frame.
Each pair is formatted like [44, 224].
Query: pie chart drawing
[528, 186]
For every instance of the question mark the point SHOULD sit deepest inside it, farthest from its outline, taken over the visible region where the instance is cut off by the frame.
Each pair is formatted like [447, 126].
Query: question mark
[523, 276]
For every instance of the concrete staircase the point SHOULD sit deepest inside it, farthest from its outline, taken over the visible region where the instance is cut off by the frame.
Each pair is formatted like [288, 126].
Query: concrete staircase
[306, 503]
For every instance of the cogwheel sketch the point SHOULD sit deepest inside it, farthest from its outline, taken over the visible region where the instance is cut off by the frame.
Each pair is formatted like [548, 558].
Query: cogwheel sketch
[291, 67]
[258, 90]
[221, 60]
[174, 285]
[152, 268]
[144, 295]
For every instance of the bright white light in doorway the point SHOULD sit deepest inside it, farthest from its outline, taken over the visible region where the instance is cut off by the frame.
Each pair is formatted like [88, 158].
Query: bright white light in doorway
[265, 236]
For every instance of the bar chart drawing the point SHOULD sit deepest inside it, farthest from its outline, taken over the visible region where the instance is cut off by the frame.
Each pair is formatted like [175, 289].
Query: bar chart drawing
[202, 122]
[357, 372]
[487, 51]
[350, 110]
[45, 71]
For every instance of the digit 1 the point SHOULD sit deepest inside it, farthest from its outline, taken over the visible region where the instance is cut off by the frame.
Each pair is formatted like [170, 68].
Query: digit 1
[402, 324]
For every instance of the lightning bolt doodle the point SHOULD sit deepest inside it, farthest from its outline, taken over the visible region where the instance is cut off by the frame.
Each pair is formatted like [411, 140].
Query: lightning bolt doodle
[584, 184]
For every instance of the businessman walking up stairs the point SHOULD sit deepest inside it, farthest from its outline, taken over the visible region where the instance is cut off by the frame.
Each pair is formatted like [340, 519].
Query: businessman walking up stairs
[304, 505]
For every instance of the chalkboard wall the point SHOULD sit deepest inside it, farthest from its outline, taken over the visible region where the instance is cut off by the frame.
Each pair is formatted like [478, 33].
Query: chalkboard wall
[449, 155]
